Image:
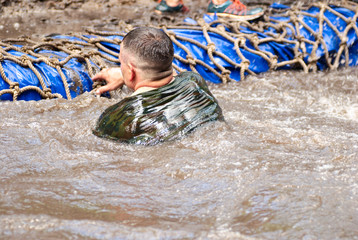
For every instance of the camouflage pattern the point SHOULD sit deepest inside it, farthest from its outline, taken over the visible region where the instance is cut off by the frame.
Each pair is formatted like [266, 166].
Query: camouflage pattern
[163, 114]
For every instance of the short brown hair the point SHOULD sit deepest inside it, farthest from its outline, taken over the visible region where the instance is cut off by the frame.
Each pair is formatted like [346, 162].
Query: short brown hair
[152, 46]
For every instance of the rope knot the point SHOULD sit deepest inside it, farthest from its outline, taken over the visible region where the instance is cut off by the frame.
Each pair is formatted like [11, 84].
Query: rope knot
[24, 59]
[322, 5]
[226, 72]
[74, 47]
[293, 18]
[301, 38]
[47, 90]
[93, 40]
[245, 64]
[25, 49]
[54, 61]
[255, 39]
[47, 94]
[171, 34]
[191, 60]
[273, 62]
[14, 85]
[221, 28]
[344, 41]
[201, 22]
[117, 41]
[242, 41]
[319, 38]
[211, 47]
[225, 75]
[92, 53]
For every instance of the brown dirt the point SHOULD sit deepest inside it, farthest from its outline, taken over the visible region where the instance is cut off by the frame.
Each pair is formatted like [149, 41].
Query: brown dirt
[36, 18]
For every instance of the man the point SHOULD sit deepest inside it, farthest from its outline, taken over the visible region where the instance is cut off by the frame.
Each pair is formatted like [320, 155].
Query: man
[222, 8]
[162, 107]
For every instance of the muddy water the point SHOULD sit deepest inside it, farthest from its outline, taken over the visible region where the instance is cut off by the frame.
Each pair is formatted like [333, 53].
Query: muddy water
[283, 166]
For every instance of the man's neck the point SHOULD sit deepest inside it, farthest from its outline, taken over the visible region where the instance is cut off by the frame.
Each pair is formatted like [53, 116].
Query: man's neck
[154, 84]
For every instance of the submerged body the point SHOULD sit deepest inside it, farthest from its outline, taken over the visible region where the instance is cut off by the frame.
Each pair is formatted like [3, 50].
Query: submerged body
[163, 114]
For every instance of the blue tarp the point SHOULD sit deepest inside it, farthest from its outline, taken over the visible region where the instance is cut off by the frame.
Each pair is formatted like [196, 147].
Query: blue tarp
[79, 80]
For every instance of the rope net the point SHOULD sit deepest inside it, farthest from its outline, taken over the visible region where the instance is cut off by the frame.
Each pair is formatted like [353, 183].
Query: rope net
[311, 38]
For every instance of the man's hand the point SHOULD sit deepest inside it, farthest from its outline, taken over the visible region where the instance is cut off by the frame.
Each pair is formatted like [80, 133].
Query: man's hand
[113, 77]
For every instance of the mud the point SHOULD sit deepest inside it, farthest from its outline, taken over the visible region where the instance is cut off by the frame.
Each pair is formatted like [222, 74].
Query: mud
[36, 18]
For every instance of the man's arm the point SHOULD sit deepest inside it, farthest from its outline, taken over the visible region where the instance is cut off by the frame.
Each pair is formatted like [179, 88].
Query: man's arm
[113, 77]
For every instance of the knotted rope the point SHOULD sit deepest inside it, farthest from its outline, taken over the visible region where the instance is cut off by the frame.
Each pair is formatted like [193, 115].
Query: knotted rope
[91, 50]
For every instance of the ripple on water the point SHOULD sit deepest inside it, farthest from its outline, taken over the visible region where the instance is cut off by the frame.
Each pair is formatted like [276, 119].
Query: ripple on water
[282, 166]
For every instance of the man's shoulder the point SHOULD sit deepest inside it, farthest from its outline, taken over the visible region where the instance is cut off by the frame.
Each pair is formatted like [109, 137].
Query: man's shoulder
[193, 76]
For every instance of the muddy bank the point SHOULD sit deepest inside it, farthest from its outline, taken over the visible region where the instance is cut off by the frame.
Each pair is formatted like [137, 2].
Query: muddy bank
[36, 18]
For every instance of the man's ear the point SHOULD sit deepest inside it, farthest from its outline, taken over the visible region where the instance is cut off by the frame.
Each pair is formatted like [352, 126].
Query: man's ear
[133, 72]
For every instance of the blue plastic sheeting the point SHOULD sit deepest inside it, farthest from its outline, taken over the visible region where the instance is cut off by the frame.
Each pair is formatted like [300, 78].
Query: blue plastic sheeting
[75, 72]
[79, 80]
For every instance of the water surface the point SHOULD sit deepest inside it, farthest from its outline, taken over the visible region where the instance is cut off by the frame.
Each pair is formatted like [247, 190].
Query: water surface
[283, 166]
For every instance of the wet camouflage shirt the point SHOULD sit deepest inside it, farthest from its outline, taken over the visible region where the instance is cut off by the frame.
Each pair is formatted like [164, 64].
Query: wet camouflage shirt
[163, 114]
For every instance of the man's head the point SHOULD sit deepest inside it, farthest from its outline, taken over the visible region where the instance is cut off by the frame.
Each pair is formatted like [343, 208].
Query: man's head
[148, 50]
